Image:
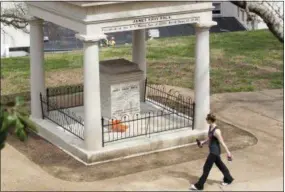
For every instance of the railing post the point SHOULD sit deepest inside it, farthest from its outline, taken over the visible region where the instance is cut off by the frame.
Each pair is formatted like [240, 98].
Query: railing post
[193, 117]
[149, 127]
[145, 84]
[148, 124]
[41, 99]
[102, 124]
[82, 97]
[47, 97]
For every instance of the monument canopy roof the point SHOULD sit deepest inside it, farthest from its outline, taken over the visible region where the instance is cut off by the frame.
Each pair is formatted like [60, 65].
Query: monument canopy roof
[99, 18]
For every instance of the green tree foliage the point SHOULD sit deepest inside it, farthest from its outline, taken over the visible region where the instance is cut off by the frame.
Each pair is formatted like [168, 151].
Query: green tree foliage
[14, 119]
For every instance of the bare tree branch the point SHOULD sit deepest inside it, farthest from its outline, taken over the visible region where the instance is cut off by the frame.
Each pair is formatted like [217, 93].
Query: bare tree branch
[277, 9]
[15, 16]
[273, 21]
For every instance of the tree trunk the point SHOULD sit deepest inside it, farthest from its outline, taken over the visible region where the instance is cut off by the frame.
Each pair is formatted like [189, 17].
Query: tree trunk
[274, 24]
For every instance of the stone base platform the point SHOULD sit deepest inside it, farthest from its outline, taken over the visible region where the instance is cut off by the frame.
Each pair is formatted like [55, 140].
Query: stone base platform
[151, 119]
[125, 148]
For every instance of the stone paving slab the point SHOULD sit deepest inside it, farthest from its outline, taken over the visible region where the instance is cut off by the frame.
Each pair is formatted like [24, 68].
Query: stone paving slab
[259, 167]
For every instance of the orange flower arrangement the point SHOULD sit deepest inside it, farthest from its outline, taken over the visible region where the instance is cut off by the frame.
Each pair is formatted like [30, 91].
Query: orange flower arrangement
[117, 126]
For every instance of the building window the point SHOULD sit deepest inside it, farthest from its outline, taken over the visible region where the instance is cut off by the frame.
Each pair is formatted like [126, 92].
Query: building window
[242, 15]
[238, 11]
[217, 9]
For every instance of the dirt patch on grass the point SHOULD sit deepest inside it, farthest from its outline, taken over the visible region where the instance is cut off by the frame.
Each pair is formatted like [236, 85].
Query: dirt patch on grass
[261, 84]
[60, 165]
[217, 53]
[261, 69]
[64, 77]
[14, 83]
[18, 82]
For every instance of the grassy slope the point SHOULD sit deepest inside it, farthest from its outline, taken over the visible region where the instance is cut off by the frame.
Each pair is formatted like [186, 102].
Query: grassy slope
[240, 61]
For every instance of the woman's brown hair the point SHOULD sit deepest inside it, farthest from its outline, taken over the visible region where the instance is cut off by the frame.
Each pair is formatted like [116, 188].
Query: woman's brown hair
[211, 117]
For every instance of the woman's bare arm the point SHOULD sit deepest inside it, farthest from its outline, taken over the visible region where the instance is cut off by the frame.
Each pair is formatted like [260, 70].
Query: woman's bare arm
[218, 135]
[205, 141]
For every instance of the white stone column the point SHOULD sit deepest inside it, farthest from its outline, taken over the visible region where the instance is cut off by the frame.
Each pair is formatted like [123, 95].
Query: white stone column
[139, 56]
[92, 102]
[37, 80]
[202, 75]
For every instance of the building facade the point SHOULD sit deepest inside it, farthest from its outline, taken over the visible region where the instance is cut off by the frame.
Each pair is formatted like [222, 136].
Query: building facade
[226, 9]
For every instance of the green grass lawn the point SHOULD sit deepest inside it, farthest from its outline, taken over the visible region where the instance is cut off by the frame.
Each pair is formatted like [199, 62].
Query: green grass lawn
[240, 61]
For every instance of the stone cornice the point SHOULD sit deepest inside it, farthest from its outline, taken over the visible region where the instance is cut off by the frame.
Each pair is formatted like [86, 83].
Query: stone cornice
[90, 38]
[91, 4]
[35, 21]
[206, 25]
[67, 13]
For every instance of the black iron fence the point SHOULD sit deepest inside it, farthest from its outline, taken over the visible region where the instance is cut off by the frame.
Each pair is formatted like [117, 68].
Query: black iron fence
[170, 100]
[66, 96]
[65, 118]
[129, 126]
[173, 111]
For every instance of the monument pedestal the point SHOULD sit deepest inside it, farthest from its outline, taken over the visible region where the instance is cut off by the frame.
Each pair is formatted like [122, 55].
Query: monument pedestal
[120, 88]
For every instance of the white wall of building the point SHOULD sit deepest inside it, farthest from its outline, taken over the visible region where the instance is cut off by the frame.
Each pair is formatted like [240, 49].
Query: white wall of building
[12, 37]
[227, 9]
[261, 25]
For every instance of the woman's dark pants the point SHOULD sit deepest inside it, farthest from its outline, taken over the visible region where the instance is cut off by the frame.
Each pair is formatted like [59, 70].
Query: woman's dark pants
[208, 166]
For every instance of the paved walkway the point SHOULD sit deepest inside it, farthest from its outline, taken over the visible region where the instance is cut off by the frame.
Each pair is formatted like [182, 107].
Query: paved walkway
[259, 167]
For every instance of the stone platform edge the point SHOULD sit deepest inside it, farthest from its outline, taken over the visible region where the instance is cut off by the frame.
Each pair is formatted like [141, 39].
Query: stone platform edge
[123, 149]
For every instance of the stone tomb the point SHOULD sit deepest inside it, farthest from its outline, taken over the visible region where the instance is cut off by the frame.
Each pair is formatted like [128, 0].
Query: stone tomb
[92, 21]
[120, 88]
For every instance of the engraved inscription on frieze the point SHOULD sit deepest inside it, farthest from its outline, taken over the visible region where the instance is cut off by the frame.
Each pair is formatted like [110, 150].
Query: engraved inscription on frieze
[150, 22]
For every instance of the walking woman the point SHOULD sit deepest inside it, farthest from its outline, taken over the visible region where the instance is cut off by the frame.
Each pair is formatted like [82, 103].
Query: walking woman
[214, 140]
